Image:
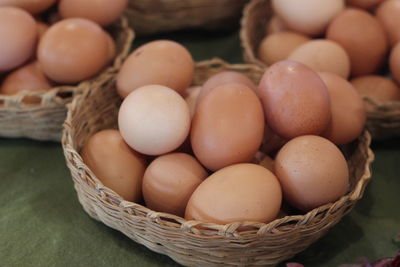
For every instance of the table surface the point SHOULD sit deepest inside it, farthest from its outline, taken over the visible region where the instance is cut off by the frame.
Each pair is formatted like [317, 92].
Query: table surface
[43, 224]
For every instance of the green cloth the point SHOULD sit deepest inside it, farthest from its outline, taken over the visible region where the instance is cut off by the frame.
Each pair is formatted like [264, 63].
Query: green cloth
[43, 224]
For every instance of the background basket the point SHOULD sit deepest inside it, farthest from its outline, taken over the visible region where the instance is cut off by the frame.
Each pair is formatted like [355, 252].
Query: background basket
[155, 16]
[194, 243]
[43, 121]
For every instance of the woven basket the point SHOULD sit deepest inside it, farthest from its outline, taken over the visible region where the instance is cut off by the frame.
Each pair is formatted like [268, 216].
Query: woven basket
[43, 121]
[194, 243]
[155, 16]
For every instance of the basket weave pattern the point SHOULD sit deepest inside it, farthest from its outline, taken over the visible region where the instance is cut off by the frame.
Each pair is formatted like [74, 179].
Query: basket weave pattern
[43, 121]
[195, 243]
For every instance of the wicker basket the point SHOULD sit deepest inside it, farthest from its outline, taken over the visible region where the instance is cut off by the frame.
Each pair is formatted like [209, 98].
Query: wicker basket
[155, 16]
[383, 119]
[194, 243]
[43, 121]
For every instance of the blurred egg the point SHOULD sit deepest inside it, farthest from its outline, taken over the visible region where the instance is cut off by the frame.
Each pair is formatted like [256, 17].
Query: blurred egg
[310, 17]
[365, 4]
[275, 25]
[312, 172]
[388, 14]
[323, 55]
[73, 50]
[279, 46]
[394, 62]
[32, 6]
[238, 193]
[376, 87]
[102, 12]
[170, 180]
[365, 41]
[347, 108]
[154, 120]
[27, 78]
[192, 94]
[41, 28]
[18, 37]
[161, 62]
[227, 127]
[112, 49]
[295, 100]
[115, 164]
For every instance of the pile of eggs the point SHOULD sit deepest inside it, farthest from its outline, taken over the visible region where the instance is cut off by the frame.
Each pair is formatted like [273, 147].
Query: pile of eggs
[354, 39]
[229, 150]
[49, 42]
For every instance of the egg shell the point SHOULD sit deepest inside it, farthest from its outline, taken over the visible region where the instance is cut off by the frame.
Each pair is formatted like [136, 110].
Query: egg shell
[227, 127]
[18, 37]
[192, 94]
[388, 14]
[170, 180]
[295, 100]
[154, 120]
[365, 41]
[73, 50]
[241, 192]
[312, 172]
[310, 17]
[347, 108]
[103, 12]
[279, 46]
[394, 62]
[275, 25]
[31, 6]
[365, 4]
[160, 62]
[115, 164]
[323, 55]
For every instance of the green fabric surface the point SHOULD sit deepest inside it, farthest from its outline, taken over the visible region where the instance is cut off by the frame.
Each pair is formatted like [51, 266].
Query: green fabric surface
[43, 224]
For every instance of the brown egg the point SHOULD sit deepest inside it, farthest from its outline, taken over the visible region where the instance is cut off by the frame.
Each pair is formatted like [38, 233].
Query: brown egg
[347, 108]
[388, 15]
[241, 192]
[295, 100]
[32, 6]
[170, 180]
[161, 62]
[73, 50]
[227, 127]
[310, 17]
[279, 46]
[365, 41]
[102, 12]
[154, 120]
[323, 55]
[268, 163]
[312, 172]
[376, 87]
[18, 37]
[365, 4]
[271, 141]
[115, 164]
[275, 25]
[192, 94]
[27, 78]
[112, 49]
[41, 28]
[224, 78]
[394, 62]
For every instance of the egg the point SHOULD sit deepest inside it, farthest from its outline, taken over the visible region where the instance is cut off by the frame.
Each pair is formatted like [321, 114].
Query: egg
[323, 55]
[102, 12]
[365, 41]
[268, 163]
[27, 78]
[32, 6]
[227, 127]
[154, 120]
[295, 100]
[365, 4]
[347, 108]
[223, 78]
[112, 49]
[376, 87]
[41, 28]
[279, 46]
[271, 141]
[238, 193]
[18, 37]
[192, 94]
[115, 164]
[275, 25]
[310, 17]
[312, 172]
[160, 62]
[394, 62]
[388, 14]
[170, 180]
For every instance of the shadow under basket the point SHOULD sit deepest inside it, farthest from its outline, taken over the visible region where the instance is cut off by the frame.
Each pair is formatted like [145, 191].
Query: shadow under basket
[44, 119]
[194, 243]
